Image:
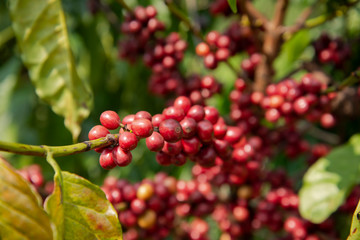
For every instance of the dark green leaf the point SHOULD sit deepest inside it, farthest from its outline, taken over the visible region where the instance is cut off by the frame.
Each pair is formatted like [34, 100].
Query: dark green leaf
[43, 39]
[80, 210]
[21, 214]
[233, 5]
[290, 53]
[327, 183]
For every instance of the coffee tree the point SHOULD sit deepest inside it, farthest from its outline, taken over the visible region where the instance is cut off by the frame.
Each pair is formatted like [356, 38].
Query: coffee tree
[213, 119]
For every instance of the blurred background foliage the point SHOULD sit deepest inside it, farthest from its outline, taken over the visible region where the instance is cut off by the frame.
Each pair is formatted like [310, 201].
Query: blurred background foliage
[122, 86]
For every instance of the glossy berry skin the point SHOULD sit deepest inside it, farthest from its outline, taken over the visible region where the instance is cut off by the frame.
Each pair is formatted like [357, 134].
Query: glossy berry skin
[196, 112]
[191, 146]
[301, 105]
[205, 130]
[171, 130]
[220, 130]
[145, 191]
[174, 113]
[142, 128]
[106, 159]
[157, 119]
[110, 120]
[163, 159]
[143, 114]
[155, 142]
[98, 131]
[178, 160]
[138, 206]
[128, 141]
[183, 102]
[327, 120]
[188, 126]
[121, 157]
[211, 114]
[202, 49]
[172, 148]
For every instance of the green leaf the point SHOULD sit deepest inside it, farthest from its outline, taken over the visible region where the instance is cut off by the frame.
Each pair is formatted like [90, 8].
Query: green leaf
[355, 225]
[21, 214]
[327, 183]
[291, 52]
[233, 5]
[80, 210]
[43, 39]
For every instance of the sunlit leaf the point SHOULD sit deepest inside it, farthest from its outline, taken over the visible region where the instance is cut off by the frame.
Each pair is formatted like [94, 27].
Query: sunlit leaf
[327, 183]
[80, 210]
[42, 35]
[355, 225]
[21, 214]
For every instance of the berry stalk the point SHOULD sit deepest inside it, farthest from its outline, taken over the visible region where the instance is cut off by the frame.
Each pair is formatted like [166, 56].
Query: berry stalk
[58, 151]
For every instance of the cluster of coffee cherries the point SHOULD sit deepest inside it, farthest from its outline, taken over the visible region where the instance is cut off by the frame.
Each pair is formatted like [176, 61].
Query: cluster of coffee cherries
[241, 39]
[214, 50]
[183, 131]
[139, 28]
[249, 64]
[330, 50]
[146, 209]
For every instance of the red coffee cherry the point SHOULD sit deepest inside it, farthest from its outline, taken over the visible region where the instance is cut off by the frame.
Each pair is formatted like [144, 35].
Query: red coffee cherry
[211, 114]
[143, 114]
[138, 206]
[202, 49]
[196, 112]
[183, 102]
[191, 146]
[110, 120]
[205, 130]
[174, 113]
[163, 159]
[142, 127]
[106, 159]
[157, 119]
[98, 131]
[171, 130]
[121, 157]
[172, 148]
[128, 141]
[188, 126]
[178, 160]
[155, 142]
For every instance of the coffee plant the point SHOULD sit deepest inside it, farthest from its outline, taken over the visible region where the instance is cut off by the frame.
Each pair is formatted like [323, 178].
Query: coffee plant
[200, 120]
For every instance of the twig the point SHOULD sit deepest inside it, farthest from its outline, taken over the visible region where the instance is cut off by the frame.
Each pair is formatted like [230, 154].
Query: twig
[57, 151]
[317, 21]
[280, 12]
[125, 6]
[349, 81]
[300, 21]
[179, 14]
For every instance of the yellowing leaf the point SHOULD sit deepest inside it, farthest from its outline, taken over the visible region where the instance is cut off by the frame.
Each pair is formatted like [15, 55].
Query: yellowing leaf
[21, 214]
[42, 36]
[80, 210]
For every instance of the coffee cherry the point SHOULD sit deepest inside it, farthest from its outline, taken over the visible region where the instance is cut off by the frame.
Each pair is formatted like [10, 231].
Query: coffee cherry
[178, 160]
[128, 119]
[220, 130]
[171, 130]
[155, 142]
[301, 105]
[172, 148]
[196, 112]
[145, 191]
[110, 120]
[142, 115]
[327, 120]
[98, 131]
[272, 115]
[121, 157]
[174, 113]
[210, 61]
[183, 102]
[211, 114]
[138, 206]
[106, 159]
[128, 141]
[188, 126]
[142, 128]
[147, 220]
[157, 119]
[191, 146]
[163, 159]
[205, 130]
[202, 49]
